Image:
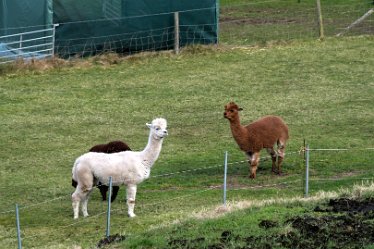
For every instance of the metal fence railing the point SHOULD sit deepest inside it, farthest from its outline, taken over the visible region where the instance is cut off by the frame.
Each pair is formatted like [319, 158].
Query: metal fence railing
[35, 44]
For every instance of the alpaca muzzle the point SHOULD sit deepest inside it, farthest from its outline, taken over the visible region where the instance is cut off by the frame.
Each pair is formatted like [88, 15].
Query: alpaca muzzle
[165, 133]
[162, 134]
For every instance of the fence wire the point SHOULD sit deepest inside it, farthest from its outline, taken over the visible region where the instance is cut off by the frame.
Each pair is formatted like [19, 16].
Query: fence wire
[317, 180]
[242, 24]
[255, 22]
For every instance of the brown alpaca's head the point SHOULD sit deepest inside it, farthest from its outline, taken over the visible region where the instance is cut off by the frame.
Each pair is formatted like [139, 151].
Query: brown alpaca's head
[231, 111]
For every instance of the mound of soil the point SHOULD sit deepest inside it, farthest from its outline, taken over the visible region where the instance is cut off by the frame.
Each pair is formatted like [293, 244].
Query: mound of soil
[348, 205]
[109, 240]
[343, 223]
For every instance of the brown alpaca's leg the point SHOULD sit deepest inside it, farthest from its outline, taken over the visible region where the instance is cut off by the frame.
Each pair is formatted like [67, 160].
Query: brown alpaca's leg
[253, 162]
[280, 160]
[103, 190]
[273, 155]
[115, 192]
[281, 153]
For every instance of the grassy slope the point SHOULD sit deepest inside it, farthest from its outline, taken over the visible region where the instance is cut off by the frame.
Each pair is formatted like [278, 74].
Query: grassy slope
[323, 90]
[243, 227]
[253, 22]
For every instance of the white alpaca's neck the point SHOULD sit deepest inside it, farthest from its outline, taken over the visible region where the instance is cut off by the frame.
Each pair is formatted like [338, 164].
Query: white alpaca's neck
[151, 151]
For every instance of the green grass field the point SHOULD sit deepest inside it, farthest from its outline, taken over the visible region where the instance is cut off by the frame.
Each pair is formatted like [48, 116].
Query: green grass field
[323, 90]
[259, 22]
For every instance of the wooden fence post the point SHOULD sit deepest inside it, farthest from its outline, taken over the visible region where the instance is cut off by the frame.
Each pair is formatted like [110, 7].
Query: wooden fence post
[358, 21]
[320, 21]
[176, 32]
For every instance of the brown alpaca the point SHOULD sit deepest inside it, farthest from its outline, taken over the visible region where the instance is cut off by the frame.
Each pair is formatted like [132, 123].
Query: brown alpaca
[261, 134]
[111, 147]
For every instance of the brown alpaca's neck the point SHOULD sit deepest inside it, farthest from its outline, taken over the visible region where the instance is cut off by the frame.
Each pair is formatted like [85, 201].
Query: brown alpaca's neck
[240, 133]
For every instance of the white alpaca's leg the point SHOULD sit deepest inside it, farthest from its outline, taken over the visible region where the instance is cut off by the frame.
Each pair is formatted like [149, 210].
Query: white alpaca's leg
[85, 185]
[84, 204]
[131, 194]
[76, 198]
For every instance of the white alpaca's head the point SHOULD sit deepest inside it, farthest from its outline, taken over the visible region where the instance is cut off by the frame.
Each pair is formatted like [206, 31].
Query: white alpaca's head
[158, 128]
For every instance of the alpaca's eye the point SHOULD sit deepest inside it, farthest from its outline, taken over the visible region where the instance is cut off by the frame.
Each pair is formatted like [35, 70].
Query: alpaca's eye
[157, 128]
[231, 110]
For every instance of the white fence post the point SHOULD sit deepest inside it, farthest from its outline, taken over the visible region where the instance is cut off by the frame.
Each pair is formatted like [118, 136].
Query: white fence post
[225, 180]
[306, 171]
[54, 38]
[109, 206]
[18, 228]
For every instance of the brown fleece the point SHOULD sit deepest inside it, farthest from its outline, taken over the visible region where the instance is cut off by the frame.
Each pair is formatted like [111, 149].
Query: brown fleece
[111, 147]
[260, 134]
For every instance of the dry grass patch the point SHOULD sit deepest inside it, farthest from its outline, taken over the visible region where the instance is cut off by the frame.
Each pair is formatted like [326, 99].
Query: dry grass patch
[357, 191]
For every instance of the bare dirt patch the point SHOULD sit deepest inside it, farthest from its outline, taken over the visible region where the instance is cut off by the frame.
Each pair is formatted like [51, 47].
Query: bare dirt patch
[341, 223]
[347, 223]
[110, 240]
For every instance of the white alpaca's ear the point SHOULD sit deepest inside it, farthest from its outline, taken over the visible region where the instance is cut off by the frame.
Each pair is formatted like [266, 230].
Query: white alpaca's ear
[148, 125]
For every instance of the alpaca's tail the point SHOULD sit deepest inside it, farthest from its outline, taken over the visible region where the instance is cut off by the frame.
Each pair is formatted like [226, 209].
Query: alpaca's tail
[87, 182]
[74, 180]
[74, 183]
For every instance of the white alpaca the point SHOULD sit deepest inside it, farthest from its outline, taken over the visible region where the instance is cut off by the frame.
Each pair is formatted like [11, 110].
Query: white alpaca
[128, 167]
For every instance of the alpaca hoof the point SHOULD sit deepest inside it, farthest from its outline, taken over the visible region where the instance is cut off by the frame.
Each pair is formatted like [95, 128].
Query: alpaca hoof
[252, 176]
[132, 215]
